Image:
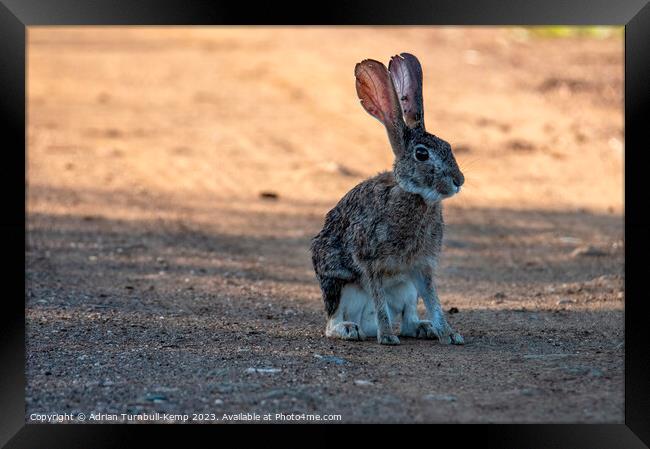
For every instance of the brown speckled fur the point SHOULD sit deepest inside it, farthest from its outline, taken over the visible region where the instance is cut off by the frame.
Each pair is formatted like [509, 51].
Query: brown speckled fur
[375, 224]
[386, 224]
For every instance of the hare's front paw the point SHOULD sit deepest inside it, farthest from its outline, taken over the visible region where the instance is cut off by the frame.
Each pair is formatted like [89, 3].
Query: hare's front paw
[424, 329]
[388, 340]
[446, 335]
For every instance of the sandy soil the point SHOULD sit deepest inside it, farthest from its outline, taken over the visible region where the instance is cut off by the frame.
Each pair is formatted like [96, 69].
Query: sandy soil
[158, 274]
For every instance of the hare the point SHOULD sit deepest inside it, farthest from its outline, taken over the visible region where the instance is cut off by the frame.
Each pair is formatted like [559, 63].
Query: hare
[378, 249]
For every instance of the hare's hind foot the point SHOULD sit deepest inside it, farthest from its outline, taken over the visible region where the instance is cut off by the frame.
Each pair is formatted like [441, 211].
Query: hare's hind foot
[345, 330]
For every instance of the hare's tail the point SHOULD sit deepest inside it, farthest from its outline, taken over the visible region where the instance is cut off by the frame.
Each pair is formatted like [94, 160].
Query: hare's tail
[331, 288]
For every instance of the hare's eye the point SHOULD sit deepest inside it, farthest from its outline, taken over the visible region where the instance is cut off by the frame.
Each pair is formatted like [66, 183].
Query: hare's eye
[421, 154]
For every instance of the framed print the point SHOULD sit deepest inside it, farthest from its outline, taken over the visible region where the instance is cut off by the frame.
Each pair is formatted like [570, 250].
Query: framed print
[236, 215]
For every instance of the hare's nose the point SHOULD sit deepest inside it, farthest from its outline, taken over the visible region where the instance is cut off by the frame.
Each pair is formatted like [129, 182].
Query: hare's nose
[458, 180]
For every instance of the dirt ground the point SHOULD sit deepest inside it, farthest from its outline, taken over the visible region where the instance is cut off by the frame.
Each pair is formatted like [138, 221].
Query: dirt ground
[161, 278]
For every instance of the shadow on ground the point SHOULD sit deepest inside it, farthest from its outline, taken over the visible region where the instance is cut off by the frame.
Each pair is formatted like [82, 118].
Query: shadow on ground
[139, 315]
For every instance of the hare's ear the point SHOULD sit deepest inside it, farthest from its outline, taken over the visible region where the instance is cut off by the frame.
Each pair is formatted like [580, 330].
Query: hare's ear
[406, 72]
[377, 94]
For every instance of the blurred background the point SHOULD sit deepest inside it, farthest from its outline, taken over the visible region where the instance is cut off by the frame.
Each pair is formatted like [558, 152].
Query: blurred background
[176, 175]
[535, 118]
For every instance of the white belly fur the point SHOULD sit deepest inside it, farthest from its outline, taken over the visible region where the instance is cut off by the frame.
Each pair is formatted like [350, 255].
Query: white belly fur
[356, 305]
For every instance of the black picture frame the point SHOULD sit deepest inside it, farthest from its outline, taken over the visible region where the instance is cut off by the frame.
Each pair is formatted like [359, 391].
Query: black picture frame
[16, 15]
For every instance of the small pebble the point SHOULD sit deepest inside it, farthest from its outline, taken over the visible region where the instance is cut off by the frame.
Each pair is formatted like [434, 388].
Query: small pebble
[440, 397]
[331, 359]
[262, 370]
[596, 372]
[588, 251]
[545, 356]
[568, 239]
[576, 370]
[528, 392]
[565, 301]
[362, 382]
[156, 397]
[268, 195]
